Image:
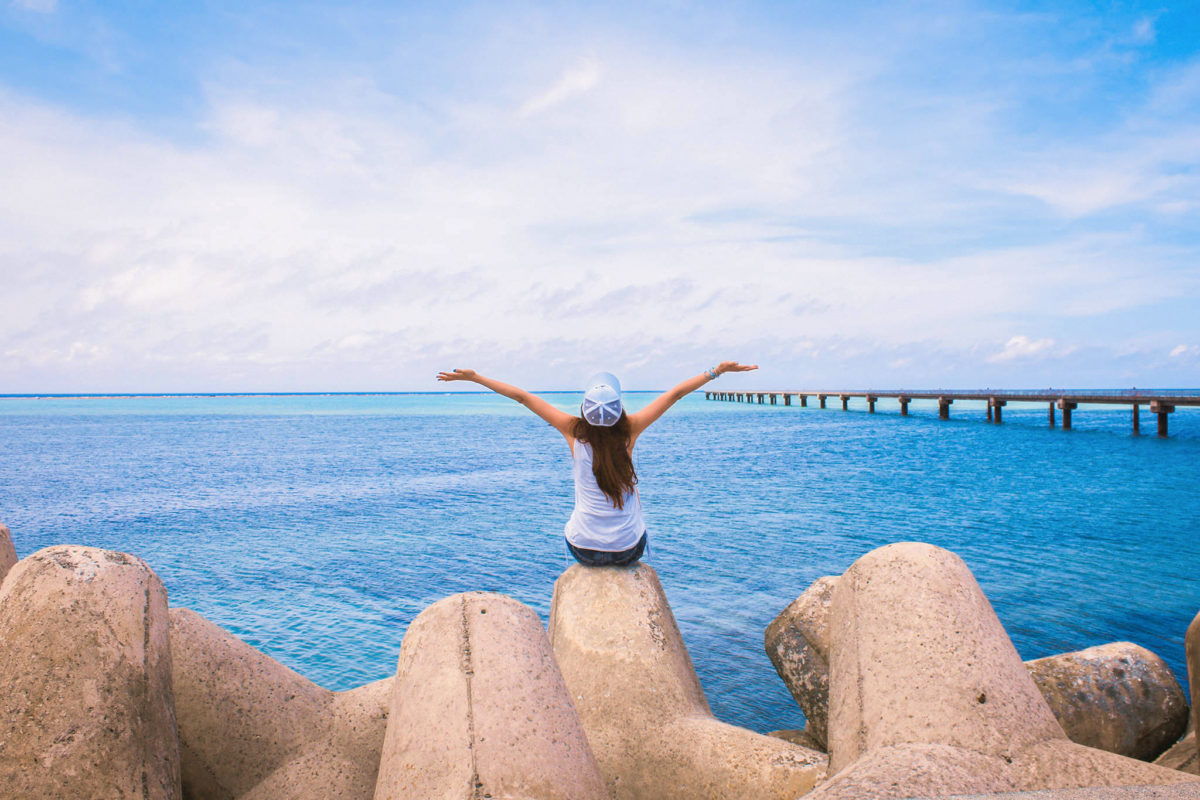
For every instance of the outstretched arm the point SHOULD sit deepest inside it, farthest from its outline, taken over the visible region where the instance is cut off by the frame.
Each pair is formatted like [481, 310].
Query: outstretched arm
[561, 421]
[646, 417]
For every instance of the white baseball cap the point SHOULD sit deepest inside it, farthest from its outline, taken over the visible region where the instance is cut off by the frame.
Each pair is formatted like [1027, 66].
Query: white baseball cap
[602, 400]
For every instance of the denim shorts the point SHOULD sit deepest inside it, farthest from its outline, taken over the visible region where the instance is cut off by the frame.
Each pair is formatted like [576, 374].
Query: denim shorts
[603, 558]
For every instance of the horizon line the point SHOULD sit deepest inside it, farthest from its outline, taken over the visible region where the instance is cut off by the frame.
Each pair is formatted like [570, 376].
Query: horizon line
[373, 393]
[103, 395]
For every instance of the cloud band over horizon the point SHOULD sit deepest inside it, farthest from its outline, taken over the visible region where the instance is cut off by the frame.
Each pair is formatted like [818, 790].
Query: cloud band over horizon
[331, 199]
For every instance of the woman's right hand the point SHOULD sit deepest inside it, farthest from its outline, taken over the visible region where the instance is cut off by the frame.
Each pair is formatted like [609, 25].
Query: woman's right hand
[733, 366]
[457, 375]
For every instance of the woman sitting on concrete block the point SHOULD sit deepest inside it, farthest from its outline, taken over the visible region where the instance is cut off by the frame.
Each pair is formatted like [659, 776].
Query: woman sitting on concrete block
[606, 527]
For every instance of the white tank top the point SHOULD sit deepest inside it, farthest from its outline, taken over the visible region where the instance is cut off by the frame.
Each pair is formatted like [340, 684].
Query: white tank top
[596, 524]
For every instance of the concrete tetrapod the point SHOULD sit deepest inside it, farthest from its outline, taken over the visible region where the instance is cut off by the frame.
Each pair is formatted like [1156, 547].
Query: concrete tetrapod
[1117, 697]
[1182, 756]
[252, 729]
[641, 703]
[1191, 644]
[928, 695]
[86, 710]
[1185, 755]
[797, 642]
[479, 709]
[8, 554]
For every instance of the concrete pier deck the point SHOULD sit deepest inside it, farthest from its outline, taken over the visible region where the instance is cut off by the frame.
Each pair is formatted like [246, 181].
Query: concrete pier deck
[1160, 403]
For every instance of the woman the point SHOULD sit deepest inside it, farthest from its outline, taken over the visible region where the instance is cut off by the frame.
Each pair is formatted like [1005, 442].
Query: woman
[606, 527]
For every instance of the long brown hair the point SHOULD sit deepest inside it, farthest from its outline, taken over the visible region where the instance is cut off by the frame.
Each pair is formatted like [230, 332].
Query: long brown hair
[611, 463]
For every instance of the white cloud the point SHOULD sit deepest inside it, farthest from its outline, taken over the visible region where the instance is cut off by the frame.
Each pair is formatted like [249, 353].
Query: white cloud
[578, 79]
[1185, 351]
[40, 6]
[1141, 161]
[1022, 347]
[247, 124]
[1143, 31]
[691, 208]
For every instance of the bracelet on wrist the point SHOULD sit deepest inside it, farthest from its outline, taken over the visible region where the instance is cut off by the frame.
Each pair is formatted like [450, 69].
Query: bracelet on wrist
[712, 373]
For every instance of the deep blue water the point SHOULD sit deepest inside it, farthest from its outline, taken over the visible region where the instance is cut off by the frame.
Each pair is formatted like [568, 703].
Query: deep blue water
[317, 528]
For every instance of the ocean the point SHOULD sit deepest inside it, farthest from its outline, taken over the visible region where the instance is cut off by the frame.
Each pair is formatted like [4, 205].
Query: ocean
[316, 528]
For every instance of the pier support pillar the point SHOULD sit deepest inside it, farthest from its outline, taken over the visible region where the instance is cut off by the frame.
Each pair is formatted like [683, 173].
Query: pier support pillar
[845, 402]
[787, 399]
[821, 397]
[760, 398]
[804, 401]
[1051, 414]
[1067, 406]
[1137, 419]
[904, 401]
[1161, 409]
[944, 407]
[871, 403]
[772, 398]
[989, 410]
[994, 408]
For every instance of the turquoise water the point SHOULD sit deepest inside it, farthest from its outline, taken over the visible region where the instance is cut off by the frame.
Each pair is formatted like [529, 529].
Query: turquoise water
[318, 527]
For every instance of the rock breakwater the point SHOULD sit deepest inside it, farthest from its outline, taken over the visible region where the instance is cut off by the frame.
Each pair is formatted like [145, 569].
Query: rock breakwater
[1117, 697]
[915, 687]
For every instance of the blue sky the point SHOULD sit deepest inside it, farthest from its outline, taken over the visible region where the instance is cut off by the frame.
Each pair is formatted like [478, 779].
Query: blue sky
[308, 196]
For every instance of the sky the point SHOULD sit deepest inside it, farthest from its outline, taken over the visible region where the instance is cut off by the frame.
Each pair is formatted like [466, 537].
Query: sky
[303, 196]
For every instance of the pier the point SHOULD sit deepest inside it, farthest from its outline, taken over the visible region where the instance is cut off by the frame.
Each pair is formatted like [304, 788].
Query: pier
[1162, 405]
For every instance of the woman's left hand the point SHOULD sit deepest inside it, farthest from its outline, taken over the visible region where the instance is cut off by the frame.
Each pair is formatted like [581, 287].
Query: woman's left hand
[457, 375]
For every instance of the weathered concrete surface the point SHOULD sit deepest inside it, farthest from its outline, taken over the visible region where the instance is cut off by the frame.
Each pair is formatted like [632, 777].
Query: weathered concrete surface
[1182, 791]
[250, 728]
[929, 697]
[1182, 756]
[1117, 697]
[924, 660]
[801, 737]
[797, 642]
[8, 554]
[479, 709]
[87, 709]
[645, 714]
[1185, 754]
[920, 770]
[1191, 646]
